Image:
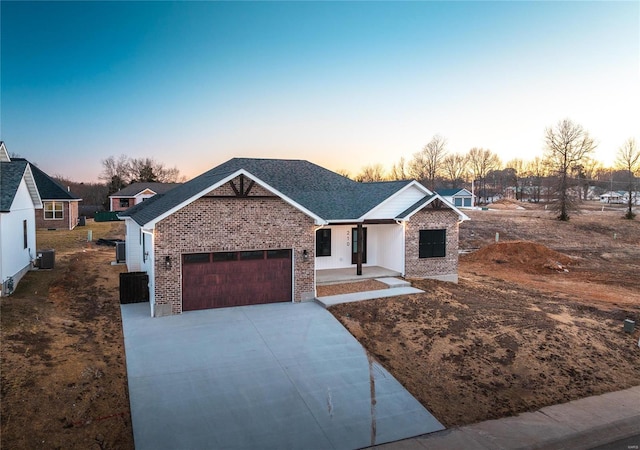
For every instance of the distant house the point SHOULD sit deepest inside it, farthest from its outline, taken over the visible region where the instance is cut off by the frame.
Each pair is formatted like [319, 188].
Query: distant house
[19, 199]
[136, 193]
[59, 209]
[460, 198]
[612, 197]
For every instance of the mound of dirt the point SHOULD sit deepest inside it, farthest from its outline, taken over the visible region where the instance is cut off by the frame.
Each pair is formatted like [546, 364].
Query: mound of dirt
[506, 203]
[524, 255]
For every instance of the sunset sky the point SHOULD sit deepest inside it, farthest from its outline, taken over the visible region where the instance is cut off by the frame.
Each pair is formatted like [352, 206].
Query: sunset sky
[342, 84]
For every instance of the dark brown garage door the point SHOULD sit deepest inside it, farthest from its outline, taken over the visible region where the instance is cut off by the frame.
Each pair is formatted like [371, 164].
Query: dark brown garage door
[218, 280]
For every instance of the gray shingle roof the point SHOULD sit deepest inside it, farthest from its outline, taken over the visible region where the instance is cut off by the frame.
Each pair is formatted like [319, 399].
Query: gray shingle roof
[48, 188]
[11, 174]
[321, 191]
[136, 188]
[448, 192]
[417, 205]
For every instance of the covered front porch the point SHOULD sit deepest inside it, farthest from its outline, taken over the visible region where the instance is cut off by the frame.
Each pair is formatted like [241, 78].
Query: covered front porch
[348, 274]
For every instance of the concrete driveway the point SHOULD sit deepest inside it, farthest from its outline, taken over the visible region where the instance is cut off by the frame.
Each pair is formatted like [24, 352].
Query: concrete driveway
[257, 377]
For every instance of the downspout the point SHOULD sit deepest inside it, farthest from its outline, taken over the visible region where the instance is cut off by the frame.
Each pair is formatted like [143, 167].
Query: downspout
[152, 269]
[359, 256]
[404, 243]
[315, 289]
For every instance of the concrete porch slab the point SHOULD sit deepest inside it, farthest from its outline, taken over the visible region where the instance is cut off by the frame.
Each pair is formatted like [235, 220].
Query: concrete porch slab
[367, 295]
[346, 275]
[394, 282]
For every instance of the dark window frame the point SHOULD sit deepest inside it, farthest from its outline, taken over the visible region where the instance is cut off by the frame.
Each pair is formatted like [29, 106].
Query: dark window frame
[224, 256]
[124, 203]
[251, 255]
[323, 242]
[25, 233]
[279, 254]
[432, 243]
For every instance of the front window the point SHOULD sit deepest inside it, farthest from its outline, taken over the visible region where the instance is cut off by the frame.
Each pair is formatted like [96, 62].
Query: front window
[124, 203]
[323, 242]
[53, 210]
[433, 243]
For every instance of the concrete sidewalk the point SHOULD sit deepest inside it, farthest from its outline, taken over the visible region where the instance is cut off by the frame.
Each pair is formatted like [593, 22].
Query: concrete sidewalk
[396, 287]
[581, 424]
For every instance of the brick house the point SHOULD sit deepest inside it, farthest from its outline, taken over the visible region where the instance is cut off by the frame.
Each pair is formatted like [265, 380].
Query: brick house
[136, 193]
[59, 209]
[260, 230]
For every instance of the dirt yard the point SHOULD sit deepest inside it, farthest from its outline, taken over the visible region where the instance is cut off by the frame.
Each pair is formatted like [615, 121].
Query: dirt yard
[530, 324]
[64, 382]
[537, 318]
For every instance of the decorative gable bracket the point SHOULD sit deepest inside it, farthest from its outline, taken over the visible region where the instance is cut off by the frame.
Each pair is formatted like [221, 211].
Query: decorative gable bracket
[242, 190]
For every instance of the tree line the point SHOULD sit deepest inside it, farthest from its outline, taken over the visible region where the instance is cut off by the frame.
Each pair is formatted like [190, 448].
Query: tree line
[562, 176]
[118, 173]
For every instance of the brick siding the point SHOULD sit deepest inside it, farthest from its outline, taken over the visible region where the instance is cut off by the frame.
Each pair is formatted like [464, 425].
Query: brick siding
[219, 224]
[69, 217]
[432, 219]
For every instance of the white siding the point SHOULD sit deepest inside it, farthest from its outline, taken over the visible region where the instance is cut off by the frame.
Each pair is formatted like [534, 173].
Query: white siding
[384, 247]
[390, 247]
[142, 197]
[396, 204]
[139, 256]
[133, 246]
[15, 260]
[340, 249]
[149, 267]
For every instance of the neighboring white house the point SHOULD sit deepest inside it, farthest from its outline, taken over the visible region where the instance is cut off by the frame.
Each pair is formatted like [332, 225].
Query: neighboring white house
[460, 198]
[612, 197]
[19, 199]
[137, 193]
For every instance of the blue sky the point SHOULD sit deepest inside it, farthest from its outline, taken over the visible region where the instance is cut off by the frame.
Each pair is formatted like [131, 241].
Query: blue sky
[342, 84]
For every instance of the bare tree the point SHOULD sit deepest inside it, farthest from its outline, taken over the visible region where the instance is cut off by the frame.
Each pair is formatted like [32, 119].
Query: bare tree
[144, 170]
[567, 144]
[344, 172]
[454, 167]
[121, 171]
[536, 170]
[116, 172]
[519, 172]
[585, 173]
[481, 162]
[171, 175]
[372, 172]
[628, 159]
[399, 170]
[427, 163]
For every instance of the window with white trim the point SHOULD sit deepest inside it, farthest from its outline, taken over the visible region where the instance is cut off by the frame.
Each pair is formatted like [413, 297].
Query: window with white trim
[53, 210]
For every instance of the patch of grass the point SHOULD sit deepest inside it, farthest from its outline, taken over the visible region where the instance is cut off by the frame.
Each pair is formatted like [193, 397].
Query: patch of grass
[64, 241]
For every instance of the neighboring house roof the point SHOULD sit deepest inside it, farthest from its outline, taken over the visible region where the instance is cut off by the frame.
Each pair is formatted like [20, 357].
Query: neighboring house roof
[321, 192]
[48, 188]
[452, 192]
[11, 174]
[4, 154]
[136, 188]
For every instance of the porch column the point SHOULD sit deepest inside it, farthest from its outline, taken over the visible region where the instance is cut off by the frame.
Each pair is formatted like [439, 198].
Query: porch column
[359, 249]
